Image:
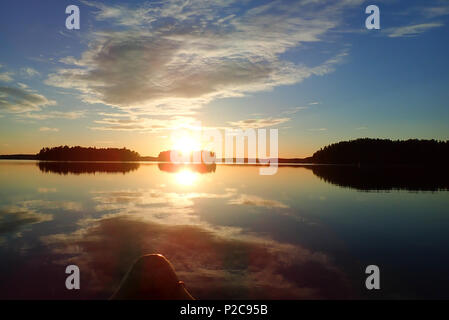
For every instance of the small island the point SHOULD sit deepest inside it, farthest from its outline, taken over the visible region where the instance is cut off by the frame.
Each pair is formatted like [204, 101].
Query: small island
[65, 153]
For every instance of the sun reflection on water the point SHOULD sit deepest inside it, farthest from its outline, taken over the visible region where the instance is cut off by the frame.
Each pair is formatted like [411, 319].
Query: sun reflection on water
[186, 177]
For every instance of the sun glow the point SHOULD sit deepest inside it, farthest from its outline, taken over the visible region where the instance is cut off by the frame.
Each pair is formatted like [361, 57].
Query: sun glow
[186, 177]
[186, 144]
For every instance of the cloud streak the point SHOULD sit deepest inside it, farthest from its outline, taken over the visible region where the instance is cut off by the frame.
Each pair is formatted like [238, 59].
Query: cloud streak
[29, 72]
[141, 124]
[47, 129]
[6, 76]
[17, 100]
[258, 123]
[71, 115]
[412, 30]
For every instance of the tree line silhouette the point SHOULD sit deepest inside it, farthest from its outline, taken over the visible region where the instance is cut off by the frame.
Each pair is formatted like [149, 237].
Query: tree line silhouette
[65, 153]
[364, 151]
[384, 152]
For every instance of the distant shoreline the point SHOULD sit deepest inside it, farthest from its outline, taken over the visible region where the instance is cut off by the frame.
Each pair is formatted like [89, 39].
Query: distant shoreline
[18, 157]
[285, 163]
[156, 160]
[363, 152]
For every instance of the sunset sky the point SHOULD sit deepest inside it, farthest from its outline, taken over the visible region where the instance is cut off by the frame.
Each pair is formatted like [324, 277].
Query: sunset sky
[137, 70]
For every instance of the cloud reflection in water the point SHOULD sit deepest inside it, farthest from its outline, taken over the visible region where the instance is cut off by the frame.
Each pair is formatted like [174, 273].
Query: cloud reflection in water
[215, 261]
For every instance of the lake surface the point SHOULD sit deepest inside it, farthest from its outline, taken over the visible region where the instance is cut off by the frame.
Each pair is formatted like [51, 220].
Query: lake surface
[304, 233]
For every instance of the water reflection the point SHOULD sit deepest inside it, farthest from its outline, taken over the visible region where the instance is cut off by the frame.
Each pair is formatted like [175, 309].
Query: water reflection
[187, 174]
[360, 178]
[186, 177]
[65, 168]
[216, 261]
[215, 264]
[195, 167]
[385, 178]
[231, 234]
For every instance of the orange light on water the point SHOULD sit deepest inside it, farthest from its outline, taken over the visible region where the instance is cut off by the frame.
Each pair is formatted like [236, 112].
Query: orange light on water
[186, 177]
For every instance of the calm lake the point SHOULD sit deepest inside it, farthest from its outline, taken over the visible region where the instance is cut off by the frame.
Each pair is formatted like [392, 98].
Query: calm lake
[304, 233]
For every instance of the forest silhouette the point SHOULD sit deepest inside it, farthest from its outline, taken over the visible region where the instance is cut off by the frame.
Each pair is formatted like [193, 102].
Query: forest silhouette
[364, 151]
[65, 153]
[384, 152]
[363, 164]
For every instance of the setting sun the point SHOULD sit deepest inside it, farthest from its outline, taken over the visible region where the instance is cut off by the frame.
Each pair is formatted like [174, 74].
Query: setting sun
[186, 144]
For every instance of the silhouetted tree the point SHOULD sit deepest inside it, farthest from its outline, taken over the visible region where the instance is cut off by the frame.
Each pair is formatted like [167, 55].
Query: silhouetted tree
[65, 153]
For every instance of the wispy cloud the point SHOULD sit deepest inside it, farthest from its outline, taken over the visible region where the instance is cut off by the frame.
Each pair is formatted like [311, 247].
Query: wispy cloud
[29, 72]
[436, 11]
[294, 110]
[142, 124]
[125, 16]
[22, 85]
[171, 57]
[46, 190]
[6, 76]
[258, 123]
[72, 115]
[26, 72]
[412, 30]
[47, 129]
[18, 100]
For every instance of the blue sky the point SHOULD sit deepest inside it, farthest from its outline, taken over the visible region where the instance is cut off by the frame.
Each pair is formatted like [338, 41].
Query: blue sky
[137, 70]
